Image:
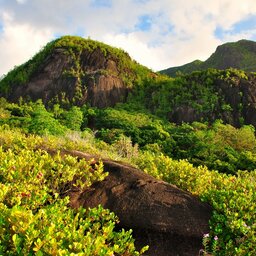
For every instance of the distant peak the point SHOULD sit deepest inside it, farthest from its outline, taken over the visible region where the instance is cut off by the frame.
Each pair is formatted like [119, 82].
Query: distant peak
[240, 55]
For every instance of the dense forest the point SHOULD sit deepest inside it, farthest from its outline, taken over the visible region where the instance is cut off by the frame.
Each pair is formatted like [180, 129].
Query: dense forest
[193, 131]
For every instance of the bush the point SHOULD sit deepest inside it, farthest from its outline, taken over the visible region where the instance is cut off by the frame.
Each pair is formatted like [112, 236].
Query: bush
[43, 123]
[232, 197]
[36, 220]
[125, 148]
[73, 118]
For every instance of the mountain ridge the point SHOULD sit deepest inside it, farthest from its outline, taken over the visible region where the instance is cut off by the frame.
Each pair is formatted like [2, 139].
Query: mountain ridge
[239, 55]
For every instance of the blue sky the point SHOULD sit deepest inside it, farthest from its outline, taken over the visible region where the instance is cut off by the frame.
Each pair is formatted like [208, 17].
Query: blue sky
[101, 3]
[144, 23]
[248, 24]
[158, 34]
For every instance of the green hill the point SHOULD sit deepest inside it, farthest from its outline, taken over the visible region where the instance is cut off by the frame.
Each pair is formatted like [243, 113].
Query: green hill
[239, 55]
[78, 97]
[73, 70]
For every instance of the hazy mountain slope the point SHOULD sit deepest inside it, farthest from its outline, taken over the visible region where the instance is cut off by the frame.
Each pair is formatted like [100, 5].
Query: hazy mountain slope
[240, 55]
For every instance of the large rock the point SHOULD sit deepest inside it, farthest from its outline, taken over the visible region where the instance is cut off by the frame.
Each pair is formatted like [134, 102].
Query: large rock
[236, 92]
[168, 219]
[96, 80]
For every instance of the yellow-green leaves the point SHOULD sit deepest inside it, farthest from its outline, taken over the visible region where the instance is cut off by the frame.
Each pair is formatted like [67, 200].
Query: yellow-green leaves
[36, 220]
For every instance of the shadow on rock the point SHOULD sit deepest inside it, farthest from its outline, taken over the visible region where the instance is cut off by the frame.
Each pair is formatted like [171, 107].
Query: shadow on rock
[168, 219]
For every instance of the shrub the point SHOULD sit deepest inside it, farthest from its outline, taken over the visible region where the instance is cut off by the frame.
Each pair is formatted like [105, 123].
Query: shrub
[42, 122]
[36, 220]
[232, 197]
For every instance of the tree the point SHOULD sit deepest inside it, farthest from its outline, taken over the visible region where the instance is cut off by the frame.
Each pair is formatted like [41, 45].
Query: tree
[73, 118]
[43, 123]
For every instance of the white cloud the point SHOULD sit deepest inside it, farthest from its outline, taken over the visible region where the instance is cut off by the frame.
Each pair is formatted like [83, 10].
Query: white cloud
[181, 30]
[21, 1]
[18, 43]
[248, 34]
[141, 52]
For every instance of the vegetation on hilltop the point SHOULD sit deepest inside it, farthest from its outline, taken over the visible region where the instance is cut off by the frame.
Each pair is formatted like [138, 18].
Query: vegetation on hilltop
[129, 70]
[183, 69]
[240, 55]
[22, 73]
[200, 96]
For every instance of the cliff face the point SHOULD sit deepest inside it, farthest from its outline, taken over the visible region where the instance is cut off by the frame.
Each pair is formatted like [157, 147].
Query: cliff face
[72, 70]
[54, 79]
[242, 98]
[236, 103]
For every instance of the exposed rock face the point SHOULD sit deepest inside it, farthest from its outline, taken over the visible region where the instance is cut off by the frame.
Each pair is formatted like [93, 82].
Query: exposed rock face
[169, 220]
[240, 95]
[89, 77]
[184, 114]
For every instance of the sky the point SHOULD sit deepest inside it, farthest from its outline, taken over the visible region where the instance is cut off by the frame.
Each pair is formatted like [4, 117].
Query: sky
[156, 33]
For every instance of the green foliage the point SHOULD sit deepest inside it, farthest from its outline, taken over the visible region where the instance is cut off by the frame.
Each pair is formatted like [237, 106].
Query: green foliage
[73, 118]
[34, 217]
[43, 122]
[143, 129]
[232, 197]
[57, 230]
[200, 93]
[35, 176]
[220, 147]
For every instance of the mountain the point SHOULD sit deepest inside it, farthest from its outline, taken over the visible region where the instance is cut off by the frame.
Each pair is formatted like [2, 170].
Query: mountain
[239, 55]
[73, 70]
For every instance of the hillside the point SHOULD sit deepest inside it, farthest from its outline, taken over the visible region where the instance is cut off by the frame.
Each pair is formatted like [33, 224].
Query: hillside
[73, 70]
[173, 159]
[35, 178]
[239, 55]
[204, 96]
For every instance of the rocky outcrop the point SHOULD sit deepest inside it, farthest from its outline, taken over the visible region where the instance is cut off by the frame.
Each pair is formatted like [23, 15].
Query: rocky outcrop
[87, 77]
[169, 220]
[185, 114]
[236, 103]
